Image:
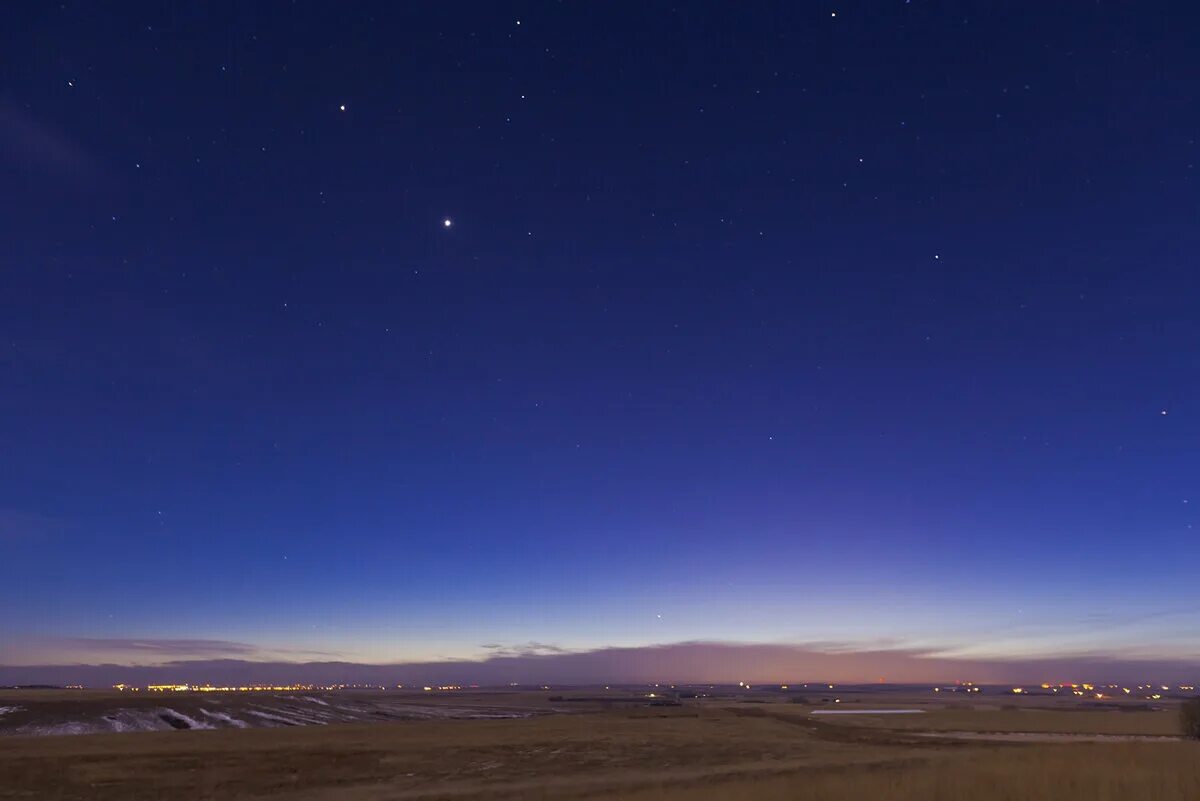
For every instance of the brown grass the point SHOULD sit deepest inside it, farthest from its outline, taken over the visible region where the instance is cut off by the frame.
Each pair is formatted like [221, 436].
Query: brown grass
[1109, 772]
[697, 754]
[1064, 721]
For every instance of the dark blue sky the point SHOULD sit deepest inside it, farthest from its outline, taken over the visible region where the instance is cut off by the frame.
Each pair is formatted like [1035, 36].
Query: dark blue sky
[864, 322]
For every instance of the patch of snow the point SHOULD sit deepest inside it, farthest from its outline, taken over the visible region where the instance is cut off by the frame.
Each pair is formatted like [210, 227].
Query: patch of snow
[135, 720]
[192, 723]
[301, 716]
[278, 718]
[224, 718]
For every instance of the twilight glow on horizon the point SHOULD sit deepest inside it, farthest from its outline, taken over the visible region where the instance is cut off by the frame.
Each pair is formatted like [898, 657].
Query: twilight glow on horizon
[864, 334]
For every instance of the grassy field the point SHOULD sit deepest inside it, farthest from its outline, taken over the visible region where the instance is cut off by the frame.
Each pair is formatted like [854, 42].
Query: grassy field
[1060, 721]
[698, 753]
[1108, 772]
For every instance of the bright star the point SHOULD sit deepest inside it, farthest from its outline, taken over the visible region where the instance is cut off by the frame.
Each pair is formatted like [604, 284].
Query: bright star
[342, 107]
[446, 223]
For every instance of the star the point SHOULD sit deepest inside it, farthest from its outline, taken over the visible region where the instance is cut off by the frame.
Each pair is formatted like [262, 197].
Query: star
[446, 223]
[342, 107]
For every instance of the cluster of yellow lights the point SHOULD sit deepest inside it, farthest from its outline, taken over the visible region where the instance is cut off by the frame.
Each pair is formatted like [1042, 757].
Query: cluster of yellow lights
[1149, 690]
[208, 688]
[1081, 690]
[966, 686]
[1077, 689]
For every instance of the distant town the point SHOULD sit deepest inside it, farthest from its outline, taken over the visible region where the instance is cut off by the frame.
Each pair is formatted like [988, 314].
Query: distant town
[1082, 690]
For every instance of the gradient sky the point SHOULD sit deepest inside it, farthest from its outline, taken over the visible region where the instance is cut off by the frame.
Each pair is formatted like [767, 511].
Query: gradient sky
[869, 323]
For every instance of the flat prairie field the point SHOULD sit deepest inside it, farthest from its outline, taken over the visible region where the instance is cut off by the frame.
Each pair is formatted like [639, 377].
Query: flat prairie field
[696, 752]
[1159, 723]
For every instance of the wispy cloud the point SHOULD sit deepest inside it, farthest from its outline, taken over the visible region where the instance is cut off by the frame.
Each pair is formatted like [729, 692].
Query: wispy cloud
[156, 650]
[527, 649]
[688, 662]
[159, 647]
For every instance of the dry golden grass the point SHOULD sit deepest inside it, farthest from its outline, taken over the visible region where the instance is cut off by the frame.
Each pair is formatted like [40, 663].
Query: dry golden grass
[1092, 772]
[1064, 721]
[693, 753]
[372, 761]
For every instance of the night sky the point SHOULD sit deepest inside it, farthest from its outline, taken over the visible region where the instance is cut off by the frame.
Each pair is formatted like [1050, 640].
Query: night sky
[415, 331]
